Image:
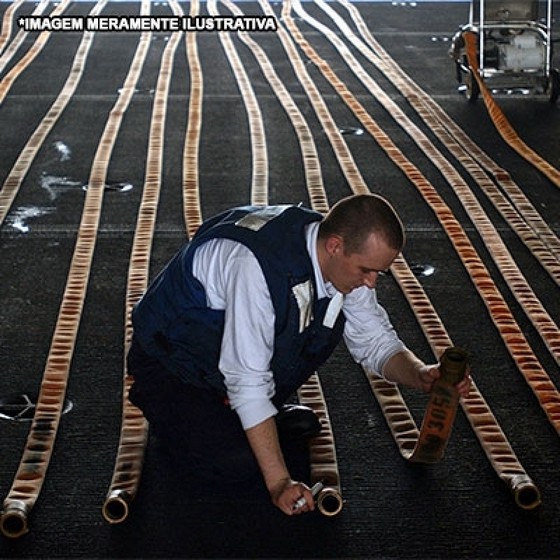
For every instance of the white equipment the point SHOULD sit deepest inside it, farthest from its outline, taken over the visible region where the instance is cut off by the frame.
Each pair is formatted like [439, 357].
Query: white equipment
[514, 48]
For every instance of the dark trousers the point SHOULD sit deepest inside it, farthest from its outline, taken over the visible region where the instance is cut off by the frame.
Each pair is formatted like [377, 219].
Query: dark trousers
[201, 433]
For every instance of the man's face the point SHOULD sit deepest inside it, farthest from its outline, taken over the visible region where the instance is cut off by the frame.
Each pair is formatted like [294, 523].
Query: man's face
[350, 271]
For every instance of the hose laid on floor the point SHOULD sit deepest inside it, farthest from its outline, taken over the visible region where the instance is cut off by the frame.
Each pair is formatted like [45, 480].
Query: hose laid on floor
[335, 137]
[499, 119]
[310, 157]
[322, 450]
[134, 427]
[41, 439]
[494, 442]
[26, 157]
[32, 469]
[7, 23]
[191, 190]
[9, 79]
[259, 180]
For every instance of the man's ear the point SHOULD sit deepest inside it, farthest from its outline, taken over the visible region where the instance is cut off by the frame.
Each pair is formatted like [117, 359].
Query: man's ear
[334, 244]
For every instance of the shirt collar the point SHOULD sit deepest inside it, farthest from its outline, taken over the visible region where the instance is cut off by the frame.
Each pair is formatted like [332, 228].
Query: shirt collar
[324, 289]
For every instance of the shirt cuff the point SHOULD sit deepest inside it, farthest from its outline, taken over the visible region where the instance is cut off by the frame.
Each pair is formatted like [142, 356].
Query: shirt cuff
[254, 411]
[389, 353]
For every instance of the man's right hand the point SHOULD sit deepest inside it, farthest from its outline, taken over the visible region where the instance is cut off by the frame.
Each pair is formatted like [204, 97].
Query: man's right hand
[284, 491]
[292, 497]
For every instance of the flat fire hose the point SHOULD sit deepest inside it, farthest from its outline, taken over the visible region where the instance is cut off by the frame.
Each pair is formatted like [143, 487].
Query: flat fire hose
[322, 450]
[31, 473]
[499, 119]
[133, 438]
[428, 444]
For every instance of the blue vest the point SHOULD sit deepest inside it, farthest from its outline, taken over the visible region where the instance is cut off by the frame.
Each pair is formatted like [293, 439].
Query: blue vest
[173, 323]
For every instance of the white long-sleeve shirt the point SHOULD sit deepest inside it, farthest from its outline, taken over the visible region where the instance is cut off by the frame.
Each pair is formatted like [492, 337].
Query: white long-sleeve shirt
[234, 282]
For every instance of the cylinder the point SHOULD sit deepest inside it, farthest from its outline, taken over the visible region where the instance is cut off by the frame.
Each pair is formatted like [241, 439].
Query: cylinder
[14, 520]
[526, 494]
[115, 508]
[453, 364]
[329, 501]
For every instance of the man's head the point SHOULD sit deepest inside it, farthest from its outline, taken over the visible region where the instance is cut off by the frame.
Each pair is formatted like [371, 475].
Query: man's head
[359, 238]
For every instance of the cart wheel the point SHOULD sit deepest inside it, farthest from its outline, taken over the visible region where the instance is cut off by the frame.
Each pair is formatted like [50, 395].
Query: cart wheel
[473, 90]
[554, 87]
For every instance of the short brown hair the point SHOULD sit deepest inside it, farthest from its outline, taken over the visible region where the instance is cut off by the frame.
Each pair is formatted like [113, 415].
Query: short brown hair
[355, 217]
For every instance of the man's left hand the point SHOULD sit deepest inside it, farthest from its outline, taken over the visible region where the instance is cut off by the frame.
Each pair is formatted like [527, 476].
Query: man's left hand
[429, 374]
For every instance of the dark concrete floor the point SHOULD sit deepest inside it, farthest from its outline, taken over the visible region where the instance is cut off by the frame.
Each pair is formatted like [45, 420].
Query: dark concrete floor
[455, 509]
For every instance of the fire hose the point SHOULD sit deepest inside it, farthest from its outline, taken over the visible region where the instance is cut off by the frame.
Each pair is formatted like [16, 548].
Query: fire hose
[499, 119]
[31, 473]
[134, 428]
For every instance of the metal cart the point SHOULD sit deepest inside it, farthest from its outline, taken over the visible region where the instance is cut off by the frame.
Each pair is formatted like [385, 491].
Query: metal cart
[514, 48]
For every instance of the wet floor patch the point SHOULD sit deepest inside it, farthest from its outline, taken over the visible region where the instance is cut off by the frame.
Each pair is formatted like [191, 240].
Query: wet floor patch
[114, 187]
[63, 150]
[351, 131]
[19, 218]
[120, 91]
[55, 185]
[21, 407]
[422, 270]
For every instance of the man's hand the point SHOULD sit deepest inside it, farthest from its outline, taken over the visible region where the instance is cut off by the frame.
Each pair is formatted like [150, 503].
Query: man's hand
[287, 493]
[284, 491]
[428, 374]
[405, 368]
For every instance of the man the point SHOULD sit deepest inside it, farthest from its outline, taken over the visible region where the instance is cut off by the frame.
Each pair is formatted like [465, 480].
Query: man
[244, 313]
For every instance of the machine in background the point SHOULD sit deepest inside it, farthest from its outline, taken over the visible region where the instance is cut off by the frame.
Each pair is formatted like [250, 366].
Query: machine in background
[514, 48]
